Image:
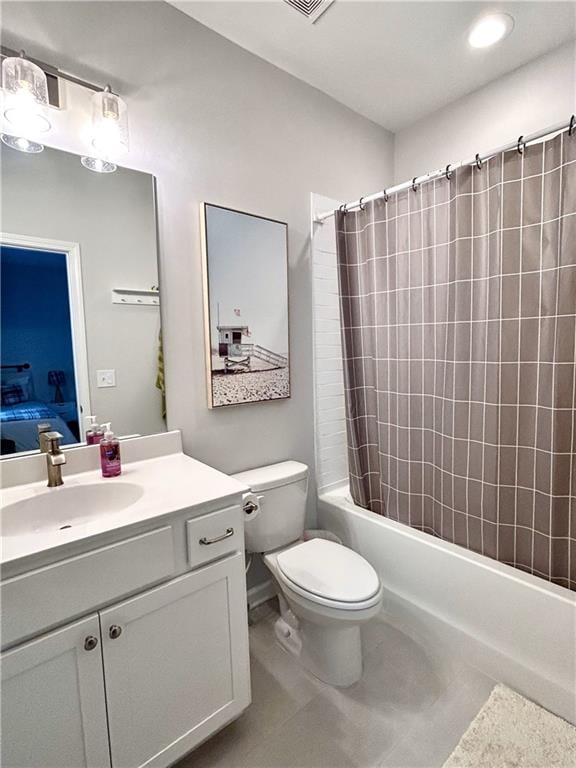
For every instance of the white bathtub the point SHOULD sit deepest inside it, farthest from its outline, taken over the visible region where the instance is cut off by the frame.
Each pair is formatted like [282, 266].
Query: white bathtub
[516, 627]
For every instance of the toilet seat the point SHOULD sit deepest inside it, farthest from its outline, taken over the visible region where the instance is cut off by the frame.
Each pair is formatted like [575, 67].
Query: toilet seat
[329, 574]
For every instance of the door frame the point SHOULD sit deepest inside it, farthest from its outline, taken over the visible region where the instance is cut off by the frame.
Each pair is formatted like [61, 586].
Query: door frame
[71, 250]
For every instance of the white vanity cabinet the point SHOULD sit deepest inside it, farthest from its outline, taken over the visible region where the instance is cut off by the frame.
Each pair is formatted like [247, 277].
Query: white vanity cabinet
[53, 706]
[175, 664]
[142, 679]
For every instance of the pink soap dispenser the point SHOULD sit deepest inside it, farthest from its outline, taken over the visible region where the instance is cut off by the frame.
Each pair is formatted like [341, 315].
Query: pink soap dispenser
[110, 453]
[94, 433]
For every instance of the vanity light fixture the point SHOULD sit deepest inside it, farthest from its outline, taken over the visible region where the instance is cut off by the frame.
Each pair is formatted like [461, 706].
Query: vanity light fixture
[109, 131]
[22, 144]
[26, 93]
[109, 123]
[98, 165]
[26, 96]
[490, 29]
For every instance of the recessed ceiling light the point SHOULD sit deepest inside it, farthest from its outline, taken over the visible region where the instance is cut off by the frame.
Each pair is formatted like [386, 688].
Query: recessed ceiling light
[490, 29]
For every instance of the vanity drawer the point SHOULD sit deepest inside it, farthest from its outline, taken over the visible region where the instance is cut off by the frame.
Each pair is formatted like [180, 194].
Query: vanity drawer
[215, 535]
[56, 593]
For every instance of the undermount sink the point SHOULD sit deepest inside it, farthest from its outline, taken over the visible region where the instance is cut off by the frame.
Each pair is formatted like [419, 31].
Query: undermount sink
[63, 508]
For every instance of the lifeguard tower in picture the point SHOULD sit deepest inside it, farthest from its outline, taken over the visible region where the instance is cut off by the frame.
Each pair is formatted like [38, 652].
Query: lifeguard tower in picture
[230, 340]
[237, 352]
[231, 347]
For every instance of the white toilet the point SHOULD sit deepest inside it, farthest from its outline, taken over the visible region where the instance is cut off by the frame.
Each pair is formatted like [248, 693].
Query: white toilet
[325, 589]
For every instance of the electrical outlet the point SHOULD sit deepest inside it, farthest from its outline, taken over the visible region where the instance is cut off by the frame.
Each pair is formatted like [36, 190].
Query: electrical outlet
[106, 378]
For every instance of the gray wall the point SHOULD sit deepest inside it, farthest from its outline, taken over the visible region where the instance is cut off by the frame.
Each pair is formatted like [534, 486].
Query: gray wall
[538, 95]
[112, 217]
[214, 123]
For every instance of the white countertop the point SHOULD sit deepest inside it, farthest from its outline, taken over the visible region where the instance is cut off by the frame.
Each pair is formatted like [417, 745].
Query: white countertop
[171, 483]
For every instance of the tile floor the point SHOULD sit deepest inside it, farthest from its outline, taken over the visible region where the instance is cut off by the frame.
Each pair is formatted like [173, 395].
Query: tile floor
[409, 710]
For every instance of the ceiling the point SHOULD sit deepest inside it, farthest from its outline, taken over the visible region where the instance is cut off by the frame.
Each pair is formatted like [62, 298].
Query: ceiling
[393, 62]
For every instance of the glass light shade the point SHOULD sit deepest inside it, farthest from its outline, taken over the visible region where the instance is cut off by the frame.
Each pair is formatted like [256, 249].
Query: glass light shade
[97, 165]
[22, 144]
[26, 95]
[109, 123]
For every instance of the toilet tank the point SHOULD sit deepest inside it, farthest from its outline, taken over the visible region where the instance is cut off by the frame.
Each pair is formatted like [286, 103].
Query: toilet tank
[281, 492]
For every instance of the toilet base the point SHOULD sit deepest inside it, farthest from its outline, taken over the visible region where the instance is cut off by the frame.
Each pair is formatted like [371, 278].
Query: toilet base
[332, 654]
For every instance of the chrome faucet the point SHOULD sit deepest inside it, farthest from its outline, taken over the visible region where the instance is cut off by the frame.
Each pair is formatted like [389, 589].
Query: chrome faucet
[50, 442]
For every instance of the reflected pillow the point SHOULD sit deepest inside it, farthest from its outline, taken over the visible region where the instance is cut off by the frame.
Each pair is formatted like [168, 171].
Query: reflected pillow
[16, 389]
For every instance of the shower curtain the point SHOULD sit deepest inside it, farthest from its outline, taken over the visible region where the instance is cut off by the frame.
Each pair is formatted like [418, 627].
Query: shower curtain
[458, 311]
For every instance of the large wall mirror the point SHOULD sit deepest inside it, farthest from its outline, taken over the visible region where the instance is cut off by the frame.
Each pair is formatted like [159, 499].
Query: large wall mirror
[80, 302]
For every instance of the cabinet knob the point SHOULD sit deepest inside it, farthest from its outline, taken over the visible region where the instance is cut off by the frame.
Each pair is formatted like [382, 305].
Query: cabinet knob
[90, 643]
[114, 632]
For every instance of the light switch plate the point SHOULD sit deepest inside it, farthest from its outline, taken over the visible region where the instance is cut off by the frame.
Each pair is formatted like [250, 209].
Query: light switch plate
[106, 378]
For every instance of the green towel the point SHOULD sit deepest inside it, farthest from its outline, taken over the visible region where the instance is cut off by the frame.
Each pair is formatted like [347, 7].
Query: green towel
[160, 382]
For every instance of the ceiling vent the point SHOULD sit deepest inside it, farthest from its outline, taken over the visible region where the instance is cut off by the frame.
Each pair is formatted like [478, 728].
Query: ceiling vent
[312, 9]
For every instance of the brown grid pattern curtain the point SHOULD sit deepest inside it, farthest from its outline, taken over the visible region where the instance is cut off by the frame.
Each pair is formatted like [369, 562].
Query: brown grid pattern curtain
[458, 304]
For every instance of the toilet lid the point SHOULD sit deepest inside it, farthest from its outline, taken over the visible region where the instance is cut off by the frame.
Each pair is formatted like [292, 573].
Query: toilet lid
[329, 570]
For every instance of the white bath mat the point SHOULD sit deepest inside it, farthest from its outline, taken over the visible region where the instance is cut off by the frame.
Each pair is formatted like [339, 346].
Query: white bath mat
[512, 732]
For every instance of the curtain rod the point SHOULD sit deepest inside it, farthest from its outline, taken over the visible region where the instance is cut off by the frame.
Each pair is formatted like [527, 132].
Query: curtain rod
[519, 144]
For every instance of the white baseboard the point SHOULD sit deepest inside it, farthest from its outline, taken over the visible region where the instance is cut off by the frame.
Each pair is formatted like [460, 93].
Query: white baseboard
[260, 593]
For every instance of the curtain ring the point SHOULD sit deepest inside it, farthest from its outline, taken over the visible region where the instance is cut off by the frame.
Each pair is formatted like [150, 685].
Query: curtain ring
[342, 208]
[361, 204]
[414, 185]
[478, 162]
[448, 172]
[572, 126]
[385, 196]
[521, 145]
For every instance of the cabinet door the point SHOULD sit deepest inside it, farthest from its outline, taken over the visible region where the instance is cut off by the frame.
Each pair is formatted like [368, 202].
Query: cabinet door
[53, 707]
[176, 664]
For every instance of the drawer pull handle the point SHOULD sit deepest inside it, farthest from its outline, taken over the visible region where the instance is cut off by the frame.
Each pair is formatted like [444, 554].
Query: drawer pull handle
[114, 632]
[90, 643]
[229, 532]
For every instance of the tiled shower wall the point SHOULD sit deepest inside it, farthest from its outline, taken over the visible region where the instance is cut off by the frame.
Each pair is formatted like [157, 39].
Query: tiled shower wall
[330, 426]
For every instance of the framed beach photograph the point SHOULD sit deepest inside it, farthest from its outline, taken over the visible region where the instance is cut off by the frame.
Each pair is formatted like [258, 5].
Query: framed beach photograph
[245, 260]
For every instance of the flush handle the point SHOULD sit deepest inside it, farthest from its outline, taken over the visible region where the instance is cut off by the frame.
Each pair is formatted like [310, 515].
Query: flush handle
[90, 643]
[206, 542]
[114, 632]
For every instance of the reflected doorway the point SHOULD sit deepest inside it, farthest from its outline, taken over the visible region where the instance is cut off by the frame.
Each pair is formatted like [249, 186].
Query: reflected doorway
[39, 345]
